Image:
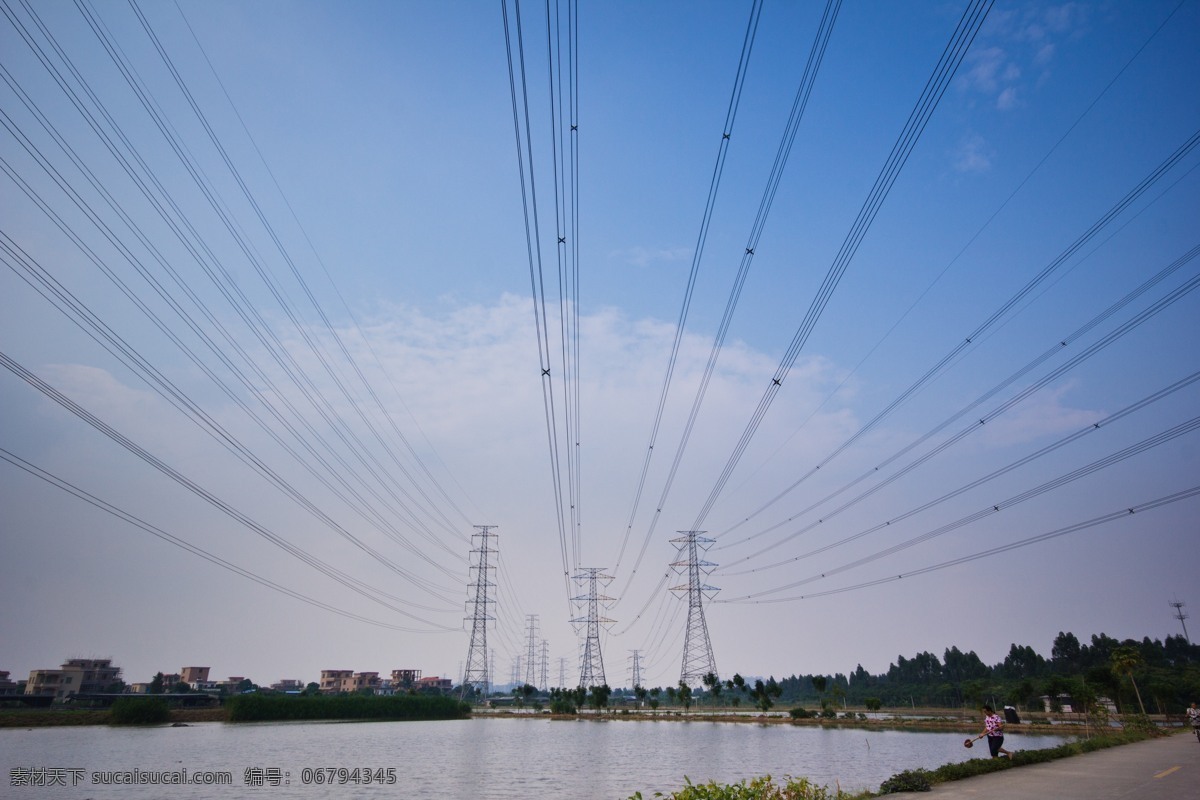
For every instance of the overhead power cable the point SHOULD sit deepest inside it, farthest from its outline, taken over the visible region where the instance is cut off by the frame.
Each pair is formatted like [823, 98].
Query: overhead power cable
[1114, 458]
[1005, 308]
[1112, 516]
[44, 283]
[960, 42]
[367, 591]
[697, 255]
[1040, 453]
[1132, 324]
[244, 309]
[987, 223]
[183, 544]
[525, 165]
[799, 104]
[432, 507]
[416, 457]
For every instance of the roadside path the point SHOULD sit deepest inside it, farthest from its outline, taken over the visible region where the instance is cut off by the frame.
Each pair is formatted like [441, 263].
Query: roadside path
[1159, 769]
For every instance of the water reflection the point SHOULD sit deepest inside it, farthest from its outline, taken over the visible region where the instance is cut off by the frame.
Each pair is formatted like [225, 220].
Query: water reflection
[478, 758]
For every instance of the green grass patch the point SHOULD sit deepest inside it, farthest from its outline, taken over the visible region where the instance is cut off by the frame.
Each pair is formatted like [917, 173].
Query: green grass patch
[139, 711]
[276, 708]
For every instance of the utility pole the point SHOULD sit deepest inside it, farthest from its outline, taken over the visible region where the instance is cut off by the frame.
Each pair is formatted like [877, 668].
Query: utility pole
[1181, 615]
[476, 674]
[531, 651]
[591, 663]
[698, 658]
[544, 684]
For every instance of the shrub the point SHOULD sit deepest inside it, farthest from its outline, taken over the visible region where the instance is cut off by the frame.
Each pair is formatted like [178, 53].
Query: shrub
[139, 711]
[755, 789]
[799, 713]
[911, 780]
[561, 705]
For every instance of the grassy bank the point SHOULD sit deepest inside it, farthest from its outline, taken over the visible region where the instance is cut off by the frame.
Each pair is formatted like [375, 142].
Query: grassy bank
[917, 780]
[274, 708]
[256, 708]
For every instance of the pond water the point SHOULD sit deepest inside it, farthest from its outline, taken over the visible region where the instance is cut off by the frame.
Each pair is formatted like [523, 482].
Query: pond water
[475, 758]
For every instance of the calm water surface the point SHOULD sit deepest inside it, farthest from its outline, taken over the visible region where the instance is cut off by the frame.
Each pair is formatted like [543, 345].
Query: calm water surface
[477, 758]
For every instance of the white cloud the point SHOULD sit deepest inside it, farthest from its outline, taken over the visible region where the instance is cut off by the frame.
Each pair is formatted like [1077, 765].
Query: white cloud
[640, 256]
[973, 155]
[1044, 414]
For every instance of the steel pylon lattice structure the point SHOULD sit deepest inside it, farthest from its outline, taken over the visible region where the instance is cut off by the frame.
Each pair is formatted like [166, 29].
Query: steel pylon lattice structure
[531, 651]
[477, 674]
[698, 658]
[635, 669]
[591, 661]
[1181, 615]
[544, 682]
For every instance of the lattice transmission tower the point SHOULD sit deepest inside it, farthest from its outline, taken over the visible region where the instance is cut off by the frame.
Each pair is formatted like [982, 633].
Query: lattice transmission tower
[635, 669]
[698, 658]
[477, 674]
[544, 683]
[531, 651]
[1181, 615]
[591, 662]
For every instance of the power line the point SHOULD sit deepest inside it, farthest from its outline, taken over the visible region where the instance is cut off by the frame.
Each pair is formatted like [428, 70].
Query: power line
[183, 544]
[1114, 458]
[1113, 516]
[968, 26]
[697, 255]
[1093, 349]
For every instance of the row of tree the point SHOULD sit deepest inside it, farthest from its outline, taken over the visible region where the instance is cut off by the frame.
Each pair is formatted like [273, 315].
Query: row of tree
[1148, 676]
[1167, 672]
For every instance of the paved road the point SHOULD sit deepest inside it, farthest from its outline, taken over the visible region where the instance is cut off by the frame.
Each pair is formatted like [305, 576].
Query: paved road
[1161, 769]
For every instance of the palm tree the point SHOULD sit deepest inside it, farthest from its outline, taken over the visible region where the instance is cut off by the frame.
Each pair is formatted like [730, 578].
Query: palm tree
[1124, 661]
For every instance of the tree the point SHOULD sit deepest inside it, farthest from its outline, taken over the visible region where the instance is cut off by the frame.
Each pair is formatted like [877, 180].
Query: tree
[599, 698]
[764, 694]
[1054, 687]
[872, 703]
[685, 695]
[1124, 661]
[313, 688]
[1066, 652]
[561, 701]
[156, 684]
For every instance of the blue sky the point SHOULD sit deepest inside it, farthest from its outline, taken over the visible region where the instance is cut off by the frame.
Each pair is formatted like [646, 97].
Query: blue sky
[377, 141]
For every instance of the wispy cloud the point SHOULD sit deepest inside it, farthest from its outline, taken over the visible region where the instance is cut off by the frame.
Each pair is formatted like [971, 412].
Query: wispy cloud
[640, 256]
[973, 155]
